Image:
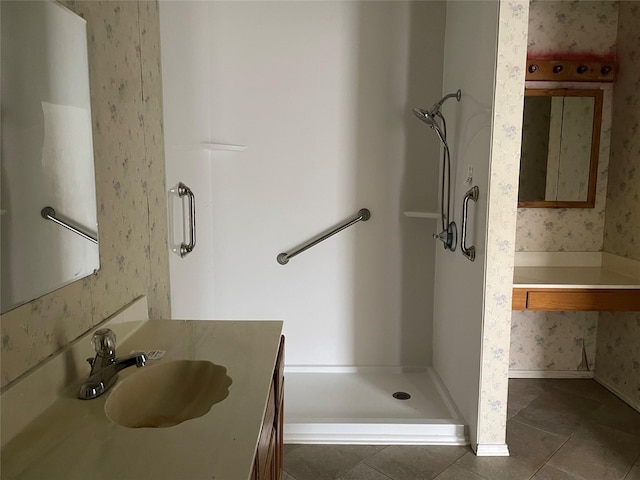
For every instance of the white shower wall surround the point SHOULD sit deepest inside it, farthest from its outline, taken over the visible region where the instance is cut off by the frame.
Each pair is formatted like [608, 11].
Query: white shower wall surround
[321, 94]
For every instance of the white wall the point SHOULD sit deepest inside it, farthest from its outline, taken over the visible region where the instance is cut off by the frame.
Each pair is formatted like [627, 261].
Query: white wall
[321, 93]
[470, 51]
[185, 39]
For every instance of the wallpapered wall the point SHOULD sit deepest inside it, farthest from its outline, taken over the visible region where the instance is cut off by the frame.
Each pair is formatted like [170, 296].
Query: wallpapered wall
[124, 72]
[505, 146]
[560, 26]
[618, 349]
[554, 340]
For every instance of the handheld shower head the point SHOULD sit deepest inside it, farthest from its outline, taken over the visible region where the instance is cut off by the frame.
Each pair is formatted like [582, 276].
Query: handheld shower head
[429, 118]
[425, 115]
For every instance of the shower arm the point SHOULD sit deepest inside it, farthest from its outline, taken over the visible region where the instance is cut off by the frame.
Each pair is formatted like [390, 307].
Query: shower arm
[438, 105]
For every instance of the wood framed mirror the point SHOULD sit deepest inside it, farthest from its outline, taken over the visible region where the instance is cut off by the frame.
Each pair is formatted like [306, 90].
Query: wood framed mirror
[560, 148]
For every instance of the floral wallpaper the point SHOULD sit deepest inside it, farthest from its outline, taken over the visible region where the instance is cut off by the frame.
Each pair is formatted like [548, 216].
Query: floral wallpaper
[622, 232]
[618, 353]
[124, 74]
[537, 337]
[503, 181]
[618, 348]
[553, 340]
[571, 26]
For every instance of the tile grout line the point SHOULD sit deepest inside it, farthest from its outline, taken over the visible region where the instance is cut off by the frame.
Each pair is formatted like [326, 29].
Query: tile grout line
[540, 429]
[635, 461]
[371, 467]
[453, 463]
[551, 456]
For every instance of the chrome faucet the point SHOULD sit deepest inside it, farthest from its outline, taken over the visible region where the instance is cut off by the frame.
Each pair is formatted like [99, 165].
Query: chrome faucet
[105, 366]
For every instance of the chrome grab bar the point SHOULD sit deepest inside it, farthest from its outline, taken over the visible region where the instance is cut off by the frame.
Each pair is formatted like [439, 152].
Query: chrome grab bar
[48, 213]
[469, 252]
[363, 214]
[186, 248]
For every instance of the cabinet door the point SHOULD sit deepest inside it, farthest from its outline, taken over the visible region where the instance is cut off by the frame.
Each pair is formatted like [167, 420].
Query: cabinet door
[278, 460]
[269, 456]
[263, 455]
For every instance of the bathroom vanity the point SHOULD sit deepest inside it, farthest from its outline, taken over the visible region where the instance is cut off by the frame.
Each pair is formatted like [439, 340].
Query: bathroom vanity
[575, 282]
[240, 437]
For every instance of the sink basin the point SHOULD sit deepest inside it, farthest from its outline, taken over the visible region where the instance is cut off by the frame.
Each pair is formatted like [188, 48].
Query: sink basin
[167, 394]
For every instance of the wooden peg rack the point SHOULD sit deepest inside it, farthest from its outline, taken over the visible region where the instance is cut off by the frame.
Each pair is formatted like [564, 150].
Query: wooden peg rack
[570, 70]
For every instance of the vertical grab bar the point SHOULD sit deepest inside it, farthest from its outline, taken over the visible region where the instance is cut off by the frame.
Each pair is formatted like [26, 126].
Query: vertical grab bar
[186, 248]
[469, 252]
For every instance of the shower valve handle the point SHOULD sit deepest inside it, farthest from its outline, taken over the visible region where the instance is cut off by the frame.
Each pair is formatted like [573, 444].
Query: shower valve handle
[442, 236]
[449, 237]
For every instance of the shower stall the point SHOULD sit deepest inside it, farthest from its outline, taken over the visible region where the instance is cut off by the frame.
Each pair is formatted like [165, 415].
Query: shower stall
[286, 118]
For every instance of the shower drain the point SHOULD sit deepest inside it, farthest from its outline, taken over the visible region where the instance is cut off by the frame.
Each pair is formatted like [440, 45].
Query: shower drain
[402, 396]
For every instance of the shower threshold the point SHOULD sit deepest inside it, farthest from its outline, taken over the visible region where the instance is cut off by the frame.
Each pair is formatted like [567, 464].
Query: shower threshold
[356, 405]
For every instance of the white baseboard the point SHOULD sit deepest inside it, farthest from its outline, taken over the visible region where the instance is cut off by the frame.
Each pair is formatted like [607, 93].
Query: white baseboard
[486, 450]
[625, 397]
[375, 433]
[549, 374]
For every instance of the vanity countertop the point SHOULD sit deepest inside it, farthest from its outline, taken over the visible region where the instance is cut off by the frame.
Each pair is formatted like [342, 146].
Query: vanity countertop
[572, 277]
[583, 270]
[74, 438]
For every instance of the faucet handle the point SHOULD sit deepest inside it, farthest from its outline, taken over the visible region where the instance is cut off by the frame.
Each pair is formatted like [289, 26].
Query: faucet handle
[104, 342]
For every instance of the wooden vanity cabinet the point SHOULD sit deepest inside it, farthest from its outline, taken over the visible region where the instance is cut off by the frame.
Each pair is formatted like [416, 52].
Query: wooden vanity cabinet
[269, 455]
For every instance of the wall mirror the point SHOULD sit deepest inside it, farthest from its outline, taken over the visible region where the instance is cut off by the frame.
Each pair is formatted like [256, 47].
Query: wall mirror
[47, 152]
[560, 145]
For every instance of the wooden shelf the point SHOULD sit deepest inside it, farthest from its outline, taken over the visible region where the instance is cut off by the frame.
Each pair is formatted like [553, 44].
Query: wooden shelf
[576, 299]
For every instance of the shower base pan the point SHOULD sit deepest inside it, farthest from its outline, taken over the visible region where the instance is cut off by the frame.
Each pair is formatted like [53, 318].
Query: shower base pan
[356, 405]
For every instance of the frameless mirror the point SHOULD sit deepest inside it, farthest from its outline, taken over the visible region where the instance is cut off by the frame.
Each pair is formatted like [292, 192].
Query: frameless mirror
[560, 143]
[47, 152]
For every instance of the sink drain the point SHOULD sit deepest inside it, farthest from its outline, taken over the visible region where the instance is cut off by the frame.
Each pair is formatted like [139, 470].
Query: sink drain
[401, 396]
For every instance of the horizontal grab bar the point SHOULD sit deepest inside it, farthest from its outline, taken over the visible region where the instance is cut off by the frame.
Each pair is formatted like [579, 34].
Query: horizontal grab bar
[363, 214]
[49, 213]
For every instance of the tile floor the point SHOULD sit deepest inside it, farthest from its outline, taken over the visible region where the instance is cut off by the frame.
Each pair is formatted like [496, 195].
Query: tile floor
[556, 430]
